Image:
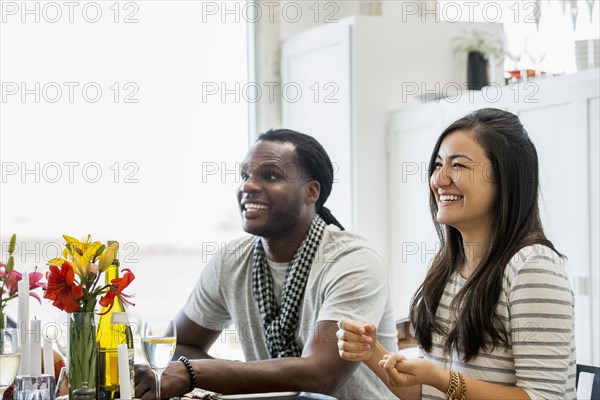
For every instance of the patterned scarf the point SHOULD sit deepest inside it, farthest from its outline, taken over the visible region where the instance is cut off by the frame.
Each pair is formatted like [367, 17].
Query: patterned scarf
[280, 323]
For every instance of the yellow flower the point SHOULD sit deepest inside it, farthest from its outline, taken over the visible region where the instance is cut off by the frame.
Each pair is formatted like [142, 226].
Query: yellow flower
[83, 254]
[86, 260]
[57, 262]
[107, 258]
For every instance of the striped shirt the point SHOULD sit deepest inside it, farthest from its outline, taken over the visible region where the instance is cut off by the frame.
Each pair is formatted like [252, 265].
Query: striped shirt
[536, 306]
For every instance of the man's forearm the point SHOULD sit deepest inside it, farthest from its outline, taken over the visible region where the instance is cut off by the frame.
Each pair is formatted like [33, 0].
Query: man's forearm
[283, 374]
[190, 352]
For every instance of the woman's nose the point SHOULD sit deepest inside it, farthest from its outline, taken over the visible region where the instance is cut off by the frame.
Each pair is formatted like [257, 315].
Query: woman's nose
[441, 177]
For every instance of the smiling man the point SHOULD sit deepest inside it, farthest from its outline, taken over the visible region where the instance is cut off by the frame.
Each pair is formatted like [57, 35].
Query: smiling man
[283, 286]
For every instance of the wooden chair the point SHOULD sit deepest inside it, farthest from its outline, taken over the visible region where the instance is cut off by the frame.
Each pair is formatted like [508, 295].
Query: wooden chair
[596, 383]
[405, 334]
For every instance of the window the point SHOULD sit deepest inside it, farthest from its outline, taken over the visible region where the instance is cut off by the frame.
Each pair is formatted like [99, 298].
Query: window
[125, 120]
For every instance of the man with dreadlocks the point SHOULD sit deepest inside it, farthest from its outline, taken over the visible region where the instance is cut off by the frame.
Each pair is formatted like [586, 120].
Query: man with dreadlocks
[283, 287]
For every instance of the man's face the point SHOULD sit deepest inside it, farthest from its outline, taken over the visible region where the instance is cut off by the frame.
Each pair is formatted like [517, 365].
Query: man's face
[275, 194]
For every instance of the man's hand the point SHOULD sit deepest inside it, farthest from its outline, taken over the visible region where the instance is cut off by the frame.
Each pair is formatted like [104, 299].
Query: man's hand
[175, 380]
[356, 341]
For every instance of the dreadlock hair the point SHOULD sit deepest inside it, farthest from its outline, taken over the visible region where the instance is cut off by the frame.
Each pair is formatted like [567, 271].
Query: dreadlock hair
[315, 163]
[516, 221]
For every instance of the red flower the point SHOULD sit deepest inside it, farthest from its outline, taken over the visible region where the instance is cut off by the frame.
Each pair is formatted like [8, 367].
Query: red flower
[116, 290]
[62, 289]
[12, 282]
[34, 282]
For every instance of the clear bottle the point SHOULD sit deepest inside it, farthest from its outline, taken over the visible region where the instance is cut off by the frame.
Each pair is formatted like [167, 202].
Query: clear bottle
[113, 329]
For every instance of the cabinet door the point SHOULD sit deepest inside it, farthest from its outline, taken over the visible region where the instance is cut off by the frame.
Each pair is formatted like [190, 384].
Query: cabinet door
[594, 150]
[413, 239]
[316, 100]
[562, 126]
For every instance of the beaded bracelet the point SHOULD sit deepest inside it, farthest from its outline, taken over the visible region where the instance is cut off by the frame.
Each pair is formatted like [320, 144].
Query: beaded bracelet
[190, 370]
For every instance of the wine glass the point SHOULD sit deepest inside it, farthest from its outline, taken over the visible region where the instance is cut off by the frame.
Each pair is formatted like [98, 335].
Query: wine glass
[537, 49]
[513, 45]
[158, 344]
[10, 357]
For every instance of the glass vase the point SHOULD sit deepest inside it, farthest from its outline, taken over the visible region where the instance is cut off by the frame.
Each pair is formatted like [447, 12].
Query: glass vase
[82, 350]
[10, 355]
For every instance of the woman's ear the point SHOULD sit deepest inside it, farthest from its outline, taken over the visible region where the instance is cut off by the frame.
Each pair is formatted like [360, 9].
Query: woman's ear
[313, 191]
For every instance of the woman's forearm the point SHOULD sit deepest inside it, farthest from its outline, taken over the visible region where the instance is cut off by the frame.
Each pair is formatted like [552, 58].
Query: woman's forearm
[404, 393]
[476, 389]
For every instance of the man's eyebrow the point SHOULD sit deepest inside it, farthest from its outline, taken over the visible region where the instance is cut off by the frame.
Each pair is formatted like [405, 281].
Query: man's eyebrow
[266, 164]
[270, 164]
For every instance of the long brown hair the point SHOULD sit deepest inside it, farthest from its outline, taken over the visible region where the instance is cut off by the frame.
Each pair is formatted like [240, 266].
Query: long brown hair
[516, 222]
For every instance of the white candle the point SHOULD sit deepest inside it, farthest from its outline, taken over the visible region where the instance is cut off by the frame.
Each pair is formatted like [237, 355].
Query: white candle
[23, 312]
[35, 364]
[124, 380]
[48, 357]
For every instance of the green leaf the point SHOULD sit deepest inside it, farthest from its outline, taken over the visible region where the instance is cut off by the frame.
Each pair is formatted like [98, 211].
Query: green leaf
[10, 265]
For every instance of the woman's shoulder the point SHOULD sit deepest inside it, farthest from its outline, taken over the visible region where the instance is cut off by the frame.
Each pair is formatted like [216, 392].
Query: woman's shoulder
[536, 262]
[536, 253]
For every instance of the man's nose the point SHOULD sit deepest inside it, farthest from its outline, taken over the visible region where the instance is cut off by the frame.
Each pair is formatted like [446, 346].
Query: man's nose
[250, 185]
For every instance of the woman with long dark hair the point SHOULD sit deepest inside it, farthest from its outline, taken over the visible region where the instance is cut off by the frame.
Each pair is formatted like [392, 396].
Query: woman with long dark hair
[494, 315]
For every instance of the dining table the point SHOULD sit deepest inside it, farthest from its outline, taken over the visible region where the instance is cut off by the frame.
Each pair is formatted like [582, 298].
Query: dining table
[204, 394]
[208, 395]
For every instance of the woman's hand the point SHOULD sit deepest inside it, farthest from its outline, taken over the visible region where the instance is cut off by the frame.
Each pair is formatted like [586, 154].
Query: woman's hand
[401, 371]
[356, 341]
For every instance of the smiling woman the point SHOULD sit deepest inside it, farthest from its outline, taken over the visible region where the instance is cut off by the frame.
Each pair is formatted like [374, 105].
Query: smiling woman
[463, 190]
[496, 298]
[139, 153]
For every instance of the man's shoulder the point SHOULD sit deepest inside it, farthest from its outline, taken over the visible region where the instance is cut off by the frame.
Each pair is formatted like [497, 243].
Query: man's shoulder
[244, 240]
[348, 238]
[340, 243]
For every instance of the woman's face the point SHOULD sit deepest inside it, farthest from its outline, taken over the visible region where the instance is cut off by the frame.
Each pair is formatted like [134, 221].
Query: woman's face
[463, 184]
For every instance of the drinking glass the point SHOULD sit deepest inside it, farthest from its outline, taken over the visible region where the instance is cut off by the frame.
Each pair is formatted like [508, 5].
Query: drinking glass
[536, 49]
[10, 357]
[158, 344]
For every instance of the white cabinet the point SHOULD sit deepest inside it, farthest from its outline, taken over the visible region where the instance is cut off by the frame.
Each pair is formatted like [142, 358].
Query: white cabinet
[317, 100]
[562, 117]
[339, 82]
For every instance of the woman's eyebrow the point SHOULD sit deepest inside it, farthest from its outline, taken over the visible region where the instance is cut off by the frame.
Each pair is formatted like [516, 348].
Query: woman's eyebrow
[453, 156]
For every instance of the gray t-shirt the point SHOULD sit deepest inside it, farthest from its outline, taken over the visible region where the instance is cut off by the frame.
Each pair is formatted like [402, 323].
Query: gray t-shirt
[347, 280]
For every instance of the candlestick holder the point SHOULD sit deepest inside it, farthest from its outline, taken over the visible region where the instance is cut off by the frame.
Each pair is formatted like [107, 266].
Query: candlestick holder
[34, 387]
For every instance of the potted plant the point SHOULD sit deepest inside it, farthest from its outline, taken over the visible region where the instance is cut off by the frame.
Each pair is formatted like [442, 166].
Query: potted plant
[481, 48]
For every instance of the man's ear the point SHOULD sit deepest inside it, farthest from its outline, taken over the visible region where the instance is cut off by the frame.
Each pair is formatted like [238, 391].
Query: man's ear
[313, 191]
